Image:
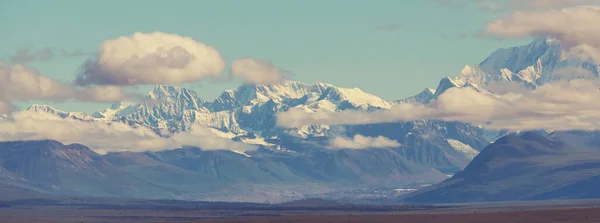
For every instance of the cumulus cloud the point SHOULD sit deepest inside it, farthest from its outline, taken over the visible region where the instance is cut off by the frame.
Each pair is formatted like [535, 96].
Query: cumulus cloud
[151, 58]
[563, 105]
[104, 137]
[26, 55]
[21, 83]
[257, 71]
[576, 28]
[362, 142]
[18, 82]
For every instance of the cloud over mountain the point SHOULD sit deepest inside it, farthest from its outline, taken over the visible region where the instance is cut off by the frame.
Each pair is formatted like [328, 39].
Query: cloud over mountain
[576, 28]
[105, 137]
[556, 106]
[257, 71]
[151, 58]
[362, 142]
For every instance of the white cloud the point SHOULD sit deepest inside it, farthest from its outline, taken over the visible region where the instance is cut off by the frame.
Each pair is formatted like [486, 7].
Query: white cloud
[151, 58]
[206, 139]
[21, 83]
[18, 82]
[576, 27]
[6, 107]
[101, 94]
[257, 71]
[103, 137]
[555, 106]
[572, 73]
[362, 142]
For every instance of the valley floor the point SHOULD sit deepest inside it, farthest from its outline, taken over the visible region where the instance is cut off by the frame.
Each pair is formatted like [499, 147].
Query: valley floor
[515, 216]
[130, 211]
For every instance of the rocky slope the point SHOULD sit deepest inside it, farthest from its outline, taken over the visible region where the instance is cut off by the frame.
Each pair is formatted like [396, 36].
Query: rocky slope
[196, 174]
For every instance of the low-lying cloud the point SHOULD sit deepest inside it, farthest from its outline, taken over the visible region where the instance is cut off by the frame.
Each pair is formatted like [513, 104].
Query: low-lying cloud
[565, 105]
[257, 71]
[362, 142]
[105, 137]
[151, 58]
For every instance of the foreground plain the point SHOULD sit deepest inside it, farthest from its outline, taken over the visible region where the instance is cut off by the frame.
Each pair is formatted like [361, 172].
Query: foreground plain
[96, 210]
[515, 216]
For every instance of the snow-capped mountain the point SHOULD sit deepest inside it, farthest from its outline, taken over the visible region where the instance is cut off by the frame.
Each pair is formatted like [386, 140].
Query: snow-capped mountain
[427, 149]
[251, 110]
[532, 65]
[249, 94]
[422, 97]
[63, 114]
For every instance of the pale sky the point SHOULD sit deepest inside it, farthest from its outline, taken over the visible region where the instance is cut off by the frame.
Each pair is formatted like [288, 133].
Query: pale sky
[389, 48]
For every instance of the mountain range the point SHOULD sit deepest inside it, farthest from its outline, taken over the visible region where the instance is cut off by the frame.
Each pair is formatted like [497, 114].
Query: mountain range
[289, 163]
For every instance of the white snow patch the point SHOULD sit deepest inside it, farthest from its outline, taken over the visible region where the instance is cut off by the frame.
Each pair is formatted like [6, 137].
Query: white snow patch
[359, 97]
[257, 141]
[465, 149]
[219, 133]
[241, 153]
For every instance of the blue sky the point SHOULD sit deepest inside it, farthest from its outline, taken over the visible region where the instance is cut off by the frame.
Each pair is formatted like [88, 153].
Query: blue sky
[341, 42]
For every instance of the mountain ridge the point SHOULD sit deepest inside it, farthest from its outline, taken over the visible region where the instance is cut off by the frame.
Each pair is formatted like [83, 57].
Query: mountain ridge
[527, 166]
[427, 151]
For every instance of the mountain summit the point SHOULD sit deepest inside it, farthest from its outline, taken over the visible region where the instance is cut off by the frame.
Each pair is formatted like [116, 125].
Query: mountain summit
[540, 62]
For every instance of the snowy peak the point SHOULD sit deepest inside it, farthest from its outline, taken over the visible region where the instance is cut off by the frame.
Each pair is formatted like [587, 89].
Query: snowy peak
[320, 87]
[44, 108]
[171, 99]
[117, 110]
[166, 93]
[50, 110]
[422, 97]
[537, 63]
[472, 74]
[353, 97]
[250, 94]
[519, 58]
[445, 84]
